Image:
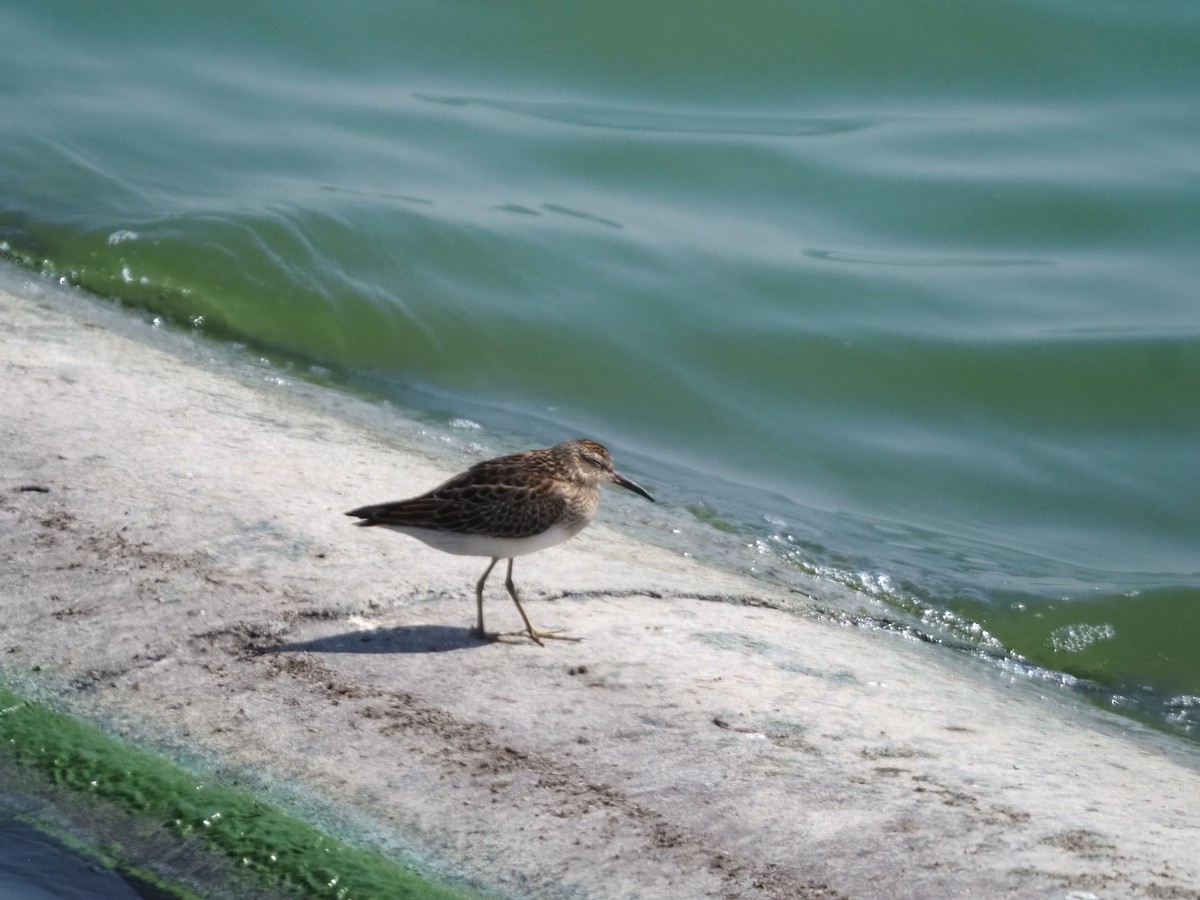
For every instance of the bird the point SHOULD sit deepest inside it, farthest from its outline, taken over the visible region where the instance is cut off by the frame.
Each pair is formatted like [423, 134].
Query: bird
[507, 507]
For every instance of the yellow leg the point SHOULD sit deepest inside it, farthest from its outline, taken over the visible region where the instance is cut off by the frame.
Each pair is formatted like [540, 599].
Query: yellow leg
[478, 629]
[533, 633]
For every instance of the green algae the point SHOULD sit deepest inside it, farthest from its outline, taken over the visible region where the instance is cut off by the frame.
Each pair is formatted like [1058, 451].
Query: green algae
[260, 840]
[709, 516]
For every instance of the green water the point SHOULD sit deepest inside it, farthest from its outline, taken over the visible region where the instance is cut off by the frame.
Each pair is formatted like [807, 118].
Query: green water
[902, 295]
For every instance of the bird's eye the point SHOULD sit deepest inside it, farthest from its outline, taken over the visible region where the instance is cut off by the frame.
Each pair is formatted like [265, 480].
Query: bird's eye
[594, 460]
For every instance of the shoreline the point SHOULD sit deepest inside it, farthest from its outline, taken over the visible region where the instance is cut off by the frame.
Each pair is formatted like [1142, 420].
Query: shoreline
[189, 580]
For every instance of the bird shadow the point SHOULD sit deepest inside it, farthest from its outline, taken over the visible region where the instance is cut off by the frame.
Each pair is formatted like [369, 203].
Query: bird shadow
[400, 639]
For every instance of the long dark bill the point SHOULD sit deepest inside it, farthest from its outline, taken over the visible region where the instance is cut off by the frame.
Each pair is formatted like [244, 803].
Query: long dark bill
[624, 482]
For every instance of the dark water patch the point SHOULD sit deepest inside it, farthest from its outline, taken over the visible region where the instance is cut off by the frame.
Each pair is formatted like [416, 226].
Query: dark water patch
[36, 865]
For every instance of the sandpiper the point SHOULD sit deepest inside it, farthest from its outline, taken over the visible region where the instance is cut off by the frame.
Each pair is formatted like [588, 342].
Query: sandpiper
[507, 507]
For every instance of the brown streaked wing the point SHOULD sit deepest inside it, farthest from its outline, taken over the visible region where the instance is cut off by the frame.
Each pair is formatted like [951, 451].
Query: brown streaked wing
[504, 510]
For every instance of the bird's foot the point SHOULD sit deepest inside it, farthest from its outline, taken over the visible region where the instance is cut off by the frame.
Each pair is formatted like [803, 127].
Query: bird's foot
[551, 635]
[535, 635]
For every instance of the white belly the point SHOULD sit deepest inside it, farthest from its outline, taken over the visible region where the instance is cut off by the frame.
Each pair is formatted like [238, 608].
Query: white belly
[483, 545]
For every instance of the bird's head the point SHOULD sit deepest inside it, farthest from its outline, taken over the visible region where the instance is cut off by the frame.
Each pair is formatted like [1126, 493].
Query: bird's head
[594, 462]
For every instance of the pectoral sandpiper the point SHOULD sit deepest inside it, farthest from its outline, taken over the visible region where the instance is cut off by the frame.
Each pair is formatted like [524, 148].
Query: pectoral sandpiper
[506, 507]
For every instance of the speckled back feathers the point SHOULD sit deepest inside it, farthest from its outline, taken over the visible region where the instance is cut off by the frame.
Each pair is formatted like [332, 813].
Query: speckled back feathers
[516, 496]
